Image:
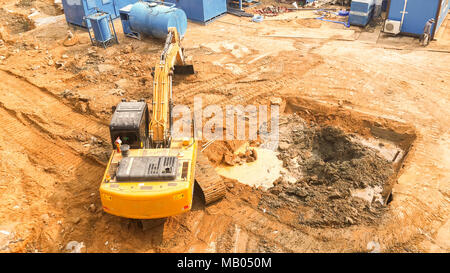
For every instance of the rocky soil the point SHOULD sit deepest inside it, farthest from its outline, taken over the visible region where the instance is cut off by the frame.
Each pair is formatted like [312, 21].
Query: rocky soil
[325, 168]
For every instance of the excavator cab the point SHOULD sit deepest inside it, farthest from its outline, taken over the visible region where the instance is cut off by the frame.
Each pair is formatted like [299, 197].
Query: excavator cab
[129, 123]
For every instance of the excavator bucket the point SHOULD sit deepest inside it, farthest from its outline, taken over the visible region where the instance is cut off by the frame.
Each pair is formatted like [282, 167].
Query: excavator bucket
[187, 69]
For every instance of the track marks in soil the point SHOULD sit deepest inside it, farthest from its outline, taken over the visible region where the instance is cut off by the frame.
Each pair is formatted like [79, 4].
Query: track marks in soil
[269, 76]
[35, 123]
[22, 96]
[38, 108]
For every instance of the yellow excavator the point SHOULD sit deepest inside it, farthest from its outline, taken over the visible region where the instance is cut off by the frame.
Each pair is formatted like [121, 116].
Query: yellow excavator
[150, 175]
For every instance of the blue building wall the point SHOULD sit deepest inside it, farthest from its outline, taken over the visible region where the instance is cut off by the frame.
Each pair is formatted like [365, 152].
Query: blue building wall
[201, 10]
[75, 10]
[418, 12]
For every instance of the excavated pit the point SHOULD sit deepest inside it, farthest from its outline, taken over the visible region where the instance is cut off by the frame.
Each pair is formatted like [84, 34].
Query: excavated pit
[337, 178]
[338, 166]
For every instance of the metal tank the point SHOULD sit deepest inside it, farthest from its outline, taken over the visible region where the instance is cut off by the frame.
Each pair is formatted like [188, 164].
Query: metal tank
[153, 19]
[103, 28]
[100, 25]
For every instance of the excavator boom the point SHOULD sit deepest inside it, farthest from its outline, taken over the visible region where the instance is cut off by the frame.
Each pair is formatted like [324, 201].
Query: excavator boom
[172, 60]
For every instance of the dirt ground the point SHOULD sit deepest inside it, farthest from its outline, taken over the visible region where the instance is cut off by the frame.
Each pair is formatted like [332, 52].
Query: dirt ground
[55, 107]
[328, 166]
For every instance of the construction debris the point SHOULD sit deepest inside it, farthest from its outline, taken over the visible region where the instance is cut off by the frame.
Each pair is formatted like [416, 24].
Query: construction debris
[75, 247]
[271, 10]
[231, 159]
[239, 13]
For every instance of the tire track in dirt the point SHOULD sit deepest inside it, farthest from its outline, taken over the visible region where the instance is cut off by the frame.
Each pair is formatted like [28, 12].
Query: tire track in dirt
[256, 87]
[21, 96]
[74, 177]
[40, 126]
[29, 117]
[37, 145]
[205, 86]
[189, 90]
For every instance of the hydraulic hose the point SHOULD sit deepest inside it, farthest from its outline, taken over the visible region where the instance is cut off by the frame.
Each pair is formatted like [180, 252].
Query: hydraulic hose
[346, 24]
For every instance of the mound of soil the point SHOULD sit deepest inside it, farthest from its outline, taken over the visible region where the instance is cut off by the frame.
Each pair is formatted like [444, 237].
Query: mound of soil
[324, 169]
[25, 3]
[15, 23]
[51, 10]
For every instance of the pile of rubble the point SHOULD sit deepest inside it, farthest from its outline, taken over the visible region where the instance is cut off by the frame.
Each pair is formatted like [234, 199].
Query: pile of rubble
[329, 178]
[271, 10]
[231, 159]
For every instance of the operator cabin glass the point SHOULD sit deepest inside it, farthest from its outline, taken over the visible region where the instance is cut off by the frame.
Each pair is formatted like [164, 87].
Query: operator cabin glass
[129, 138]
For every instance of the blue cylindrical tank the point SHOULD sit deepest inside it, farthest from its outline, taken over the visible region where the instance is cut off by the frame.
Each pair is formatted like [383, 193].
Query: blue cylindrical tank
[100, 25]
[154, 19]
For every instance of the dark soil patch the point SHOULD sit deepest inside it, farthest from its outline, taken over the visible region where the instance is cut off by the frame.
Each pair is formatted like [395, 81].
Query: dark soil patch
[15, 23]
[25, 3]
[51, 10]
[325, 166]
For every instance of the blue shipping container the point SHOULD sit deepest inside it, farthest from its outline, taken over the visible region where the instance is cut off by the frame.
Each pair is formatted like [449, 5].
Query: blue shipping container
[417, 13]
[76, 10]
[201, 10]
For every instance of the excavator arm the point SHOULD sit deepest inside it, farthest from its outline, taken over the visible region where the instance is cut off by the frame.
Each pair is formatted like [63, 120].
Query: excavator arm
[172, 60]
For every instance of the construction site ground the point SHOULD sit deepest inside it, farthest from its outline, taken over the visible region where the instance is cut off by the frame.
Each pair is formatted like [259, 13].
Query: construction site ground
[55, 107]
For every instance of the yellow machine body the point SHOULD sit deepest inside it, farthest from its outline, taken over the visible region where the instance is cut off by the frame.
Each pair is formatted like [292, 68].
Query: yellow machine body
[151, 199]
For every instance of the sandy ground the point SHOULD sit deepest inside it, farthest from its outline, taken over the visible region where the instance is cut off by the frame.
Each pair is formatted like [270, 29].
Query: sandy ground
[55, 105]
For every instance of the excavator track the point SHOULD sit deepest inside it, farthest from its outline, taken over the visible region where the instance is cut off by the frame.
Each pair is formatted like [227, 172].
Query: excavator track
[209, 181]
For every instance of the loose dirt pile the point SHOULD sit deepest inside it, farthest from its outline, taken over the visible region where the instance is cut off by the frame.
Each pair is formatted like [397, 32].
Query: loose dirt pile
[231, 159]
[15, 23]
[330, 179]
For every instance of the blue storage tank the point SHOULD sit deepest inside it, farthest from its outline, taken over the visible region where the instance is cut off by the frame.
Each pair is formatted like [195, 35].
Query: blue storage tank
[201, 10]
[76, 10]
[153, 19]
[361, 12]
[416, 14]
